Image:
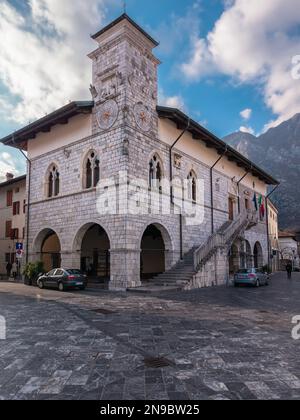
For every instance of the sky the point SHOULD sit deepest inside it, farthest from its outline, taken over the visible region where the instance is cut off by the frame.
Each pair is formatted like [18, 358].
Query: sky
[232, 65]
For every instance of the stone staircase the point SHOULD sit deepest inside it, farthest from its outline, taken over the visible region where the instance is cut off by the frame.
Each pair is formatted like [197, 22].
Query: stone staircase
[178, 276]
[204, 266]
[224, 237]
[211, 259]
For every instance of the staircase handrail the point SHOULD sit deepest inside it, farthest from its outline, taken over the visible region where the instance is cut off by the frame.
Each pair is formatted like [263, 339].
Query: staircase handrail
[223, 236]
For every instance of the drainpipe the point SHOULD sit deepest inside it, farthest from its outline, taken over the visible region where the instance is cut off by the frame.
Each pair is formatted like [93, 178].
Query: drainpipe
[267, 221]
[171, 180]
[28, 198]
[212, 190]
[238, 185]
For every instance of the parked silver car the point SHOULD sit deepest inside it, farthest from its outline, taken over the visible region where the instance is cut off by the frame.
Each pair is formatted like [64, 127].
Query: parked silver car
[251, 277]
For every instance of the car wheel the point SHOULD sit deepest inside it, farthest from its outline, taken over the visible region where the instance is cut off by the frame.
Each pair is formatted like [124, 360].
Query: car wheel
[236, 285]
[40, 284]
[82, 288]
[61, 287]
[257, 283]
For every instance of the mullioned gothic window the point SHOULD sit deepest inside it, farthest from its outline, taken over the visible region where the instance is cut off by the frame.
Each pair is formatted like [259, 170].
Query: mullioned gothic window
[53, 182]
[155, 172]
[92, 170]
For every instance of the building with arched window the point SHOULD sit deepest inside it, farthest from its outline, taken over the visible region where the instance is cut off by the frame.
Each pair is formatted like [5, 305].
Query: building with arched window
[114, 159]
[52, 181]
[91, 170]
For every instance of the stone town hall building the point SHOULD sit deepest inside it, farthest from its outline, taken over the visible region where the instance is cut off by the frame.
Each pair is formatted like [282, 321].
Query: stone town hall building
[124, 130]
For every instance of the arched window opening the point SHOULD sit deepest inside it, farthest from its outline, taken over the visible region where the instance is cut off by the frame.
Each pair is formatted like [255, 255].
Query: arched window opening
[56, 184]
[92, 170]
[155, 172]
[192, 187]
[53, 182]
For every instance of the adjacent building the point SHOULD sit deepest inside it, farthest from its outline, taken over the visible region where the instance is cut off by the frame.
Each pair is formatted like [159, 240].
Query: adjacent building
[12, 219]
[289, 249]
[273, 237]
[99, 197]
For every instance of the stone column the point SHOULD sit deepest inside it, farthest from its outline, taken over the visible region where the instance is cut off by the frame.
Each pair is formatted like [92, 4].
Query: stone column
[222, 268]
[125, 269]
[70, 260]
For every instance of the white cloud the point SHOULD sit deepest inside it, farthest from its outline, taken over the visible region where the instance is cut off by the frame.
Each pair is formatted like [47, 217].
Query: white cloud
[195, 67]
[7, 164]
[254, 42]
[248, 130]
[43, 54]
[175, 101]
[246, 114]
[6, 108]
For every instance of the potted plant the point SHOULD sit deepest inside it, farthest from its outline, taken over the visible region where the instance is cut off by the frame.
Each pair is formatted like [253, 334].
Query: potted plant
[32, 271]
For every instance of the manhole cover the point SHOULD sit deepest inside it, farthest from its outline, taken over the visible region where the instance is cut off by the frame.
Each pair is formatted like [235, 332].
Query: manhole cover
[157, 362]
[103, 311]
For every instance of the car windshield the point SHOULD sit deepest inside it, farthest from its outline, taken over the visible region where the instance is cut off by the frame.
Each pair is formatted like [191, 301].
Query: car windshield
[245, 271]
[74, 271]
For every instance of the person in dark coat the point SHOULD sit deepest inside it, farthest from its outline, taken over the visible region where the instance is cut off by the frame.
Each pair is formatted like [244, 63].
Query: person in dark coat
[289, 269]
[8, 269]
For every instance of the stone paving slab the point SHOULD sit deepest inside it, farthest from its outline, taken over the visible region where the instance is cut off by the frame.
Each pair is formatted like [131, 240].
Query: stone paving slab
[223, 343]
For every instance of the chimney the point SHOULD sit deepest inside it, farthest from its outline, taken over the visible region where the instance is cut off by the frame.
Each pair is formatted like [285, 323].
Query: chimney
[9, 176]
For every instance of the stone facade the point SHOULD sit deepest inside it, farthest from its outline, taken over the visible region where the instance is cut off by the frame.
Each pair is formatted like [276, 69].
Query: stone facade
[125, 135]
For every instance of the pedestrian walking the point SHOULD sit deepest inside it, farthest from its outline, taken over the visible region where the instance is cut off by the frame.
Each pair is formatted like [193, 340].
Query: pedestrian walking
[289, 270]
[8, 269]
[14, 270]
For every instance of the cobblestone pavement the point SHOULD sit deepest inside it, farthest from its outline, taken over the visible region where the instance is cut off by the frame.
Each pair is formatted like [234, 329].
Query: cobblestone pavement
[223, 343]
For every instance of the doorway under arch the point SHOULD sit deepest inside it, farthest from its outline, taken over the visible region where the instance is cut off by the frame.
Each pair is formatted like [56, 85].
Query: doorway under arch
[234, 259]
[50, 250]
[249, 257]
[154, 252]
[95, 253]
[258, 256]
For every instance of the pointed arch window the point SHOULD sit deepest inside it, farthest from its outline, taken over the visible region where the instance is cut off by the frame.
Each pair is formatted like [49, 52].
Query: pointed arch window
[91, 170]
[192, 187]
[53, 182]
[155, 172]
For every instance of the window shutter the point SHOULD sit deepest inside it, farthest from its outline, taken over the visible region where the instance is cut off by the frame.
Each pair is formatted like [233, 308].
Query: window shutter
[8, 230]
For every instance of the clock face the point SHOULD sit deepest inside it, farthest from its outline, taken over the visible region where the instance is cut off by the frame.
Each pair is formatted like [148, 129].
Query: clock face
[143, 116]
[107, 114]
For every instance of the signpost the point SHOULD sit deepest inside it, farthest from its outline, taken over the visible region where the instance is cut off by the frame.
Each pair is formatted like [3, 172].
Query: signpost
[19, 251]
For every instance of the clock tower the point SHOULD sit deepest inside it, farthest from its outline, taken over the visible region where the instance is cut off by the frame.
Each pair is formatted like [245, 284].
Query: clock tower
[124, 128]
[124, 85]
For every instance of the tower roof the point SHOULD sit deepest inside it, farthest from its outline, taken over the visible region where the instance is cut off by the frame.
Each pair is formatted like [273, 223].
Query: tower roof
[124, 16]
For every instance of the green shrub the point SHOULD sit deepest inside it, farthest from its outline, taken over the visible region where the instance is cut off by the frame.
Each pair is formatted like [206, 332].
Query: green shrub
[32, 270]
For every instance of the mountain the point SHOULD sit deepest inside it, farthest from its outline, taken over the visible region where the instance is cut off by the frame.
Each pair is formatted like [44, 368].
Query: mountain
[278, 152]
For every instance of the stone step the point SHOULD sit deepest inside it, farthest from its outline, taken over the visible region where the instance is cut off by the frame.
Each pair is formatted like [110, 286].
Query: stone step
[173, 277]
[175, 286]
[177, 273]
[153, 288]
[178, 277]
